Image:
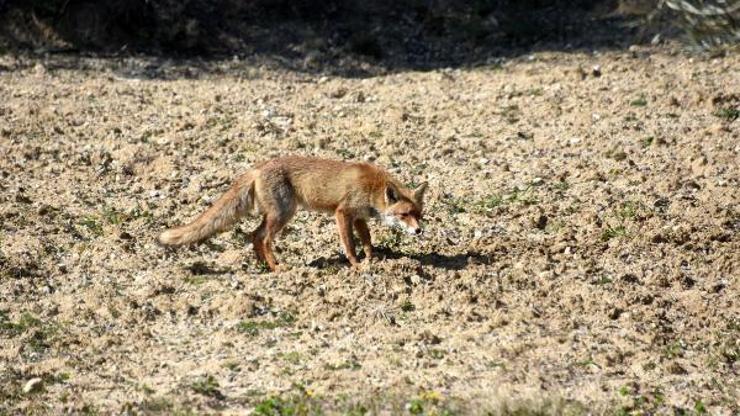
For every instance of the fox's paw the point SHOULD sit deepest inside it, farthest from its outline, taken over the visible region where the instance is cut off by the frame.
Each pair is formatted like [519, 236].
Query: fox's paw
[361, 265]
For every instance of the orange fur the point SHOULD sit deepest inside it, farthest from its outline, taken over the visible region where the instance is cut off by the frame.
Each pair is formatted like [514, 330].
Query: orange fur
[353, 192]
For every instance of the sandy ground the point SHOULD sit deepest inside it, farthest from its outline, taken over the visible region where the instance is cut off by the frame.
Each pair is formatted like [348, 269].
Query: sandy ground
[581, 254]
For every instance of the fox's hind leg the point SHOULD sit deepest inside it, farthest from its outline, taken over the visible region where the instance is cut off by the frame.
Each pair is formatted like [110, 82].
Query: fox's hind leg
[277, 201]
[258, 237]
[274, 223]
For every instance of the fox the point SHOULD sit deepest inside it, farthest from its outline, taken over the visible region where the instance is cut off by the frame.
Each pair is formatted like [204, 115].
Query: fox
[354, 192]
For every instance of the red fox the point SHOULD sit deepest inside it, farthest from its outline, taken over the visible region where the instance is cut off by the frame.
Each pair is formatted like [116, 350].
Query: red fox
[353, 192]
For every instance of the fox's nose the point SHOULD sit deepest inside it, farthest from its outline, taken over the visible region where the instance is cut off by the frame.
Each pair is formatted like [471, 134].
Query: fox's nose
[418, 231]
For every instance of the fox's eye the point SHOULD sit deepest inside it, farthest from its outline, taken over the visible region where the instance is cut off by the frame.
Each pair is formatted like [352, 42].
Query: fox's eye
[404, 215]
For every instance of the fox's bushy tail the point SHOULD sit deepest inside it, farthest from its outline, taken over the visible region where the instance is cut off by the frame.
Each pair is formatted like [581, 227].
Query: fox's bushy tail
[226, 211]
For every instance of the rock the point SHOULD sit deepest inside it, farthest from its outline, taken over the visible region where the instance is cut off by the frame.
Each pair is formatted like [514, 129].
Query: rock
[676, 368]
[338, 93]
[619, 155]
[615, 313]
[429, 338]
[630, 278]
[32, 385]
[541, 222]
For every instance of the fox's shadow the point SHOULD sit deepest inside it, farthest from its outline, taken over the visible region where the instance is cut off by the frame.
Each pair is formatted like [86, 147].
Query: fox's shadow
[449, 262]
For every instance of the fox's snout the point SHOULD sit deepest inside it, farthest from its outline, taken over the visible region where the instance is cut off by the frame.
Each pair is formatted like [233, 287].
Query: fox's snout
[414, 229]
[410, 225]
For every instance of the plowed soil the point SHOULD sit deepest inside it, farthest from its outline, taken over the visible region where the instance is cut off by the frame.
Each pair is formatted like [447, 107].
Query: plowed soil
[581, 250]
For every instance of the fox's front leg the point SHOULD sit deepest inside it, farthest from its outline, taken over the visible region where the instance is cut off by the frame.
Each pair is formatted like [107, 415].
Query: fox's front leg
[344, 226]
[364, 233]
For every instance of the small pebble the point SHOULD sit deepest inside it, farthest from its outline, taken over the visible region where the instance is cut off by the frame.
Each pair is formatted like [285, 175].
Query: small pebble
[32, 385]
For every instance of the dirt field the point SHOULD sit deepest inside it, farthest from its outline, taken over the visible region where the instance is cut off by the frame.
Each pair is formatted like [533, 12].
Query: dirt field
[581, 252]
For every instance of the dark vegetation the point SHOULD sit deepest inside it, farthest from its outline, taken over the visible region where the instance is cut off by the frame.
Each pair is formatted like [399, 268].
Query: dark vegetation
[320, 33]
[222, 26]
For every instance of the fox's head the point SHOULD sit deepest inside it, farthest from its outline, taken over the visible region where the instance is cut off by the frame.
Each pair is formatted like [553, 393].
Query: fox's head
[403, 208]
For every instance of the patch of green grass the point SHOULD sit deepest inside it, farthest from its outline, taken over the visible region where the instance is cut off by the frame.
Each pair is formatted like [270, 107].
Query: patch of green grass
[9, 328]
[728, 114]
[613, 232]
[640, 101]
[392, 239]
[407, 306]
[376, 134]
[627, 211]
[455, 205]
[253, 328]
[195, 279]
[207, 386]
[647, 142]
[346, 365]
[630, 117]
[624, 212]
[699, 407]
[232, 365]
[60, 378]
[430, 402]
[302, 401]
[291, 405]
[92, 224]
[113, 216]
[553, 227]
[674, 350]
[647, 403]
[41, 333]
[489, 202]
[146, 389]
[293, 357]
[416, 407]
[263, 267]
[523, 196]
[140, 212]
[603, 280]
[588, 363]
[561, 186]
[437, 354]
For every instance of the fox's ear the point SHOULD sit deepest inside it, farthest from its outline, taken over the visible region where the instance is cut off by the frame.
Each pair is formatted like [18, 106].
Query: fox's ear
[391, 194]
[420, 191]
